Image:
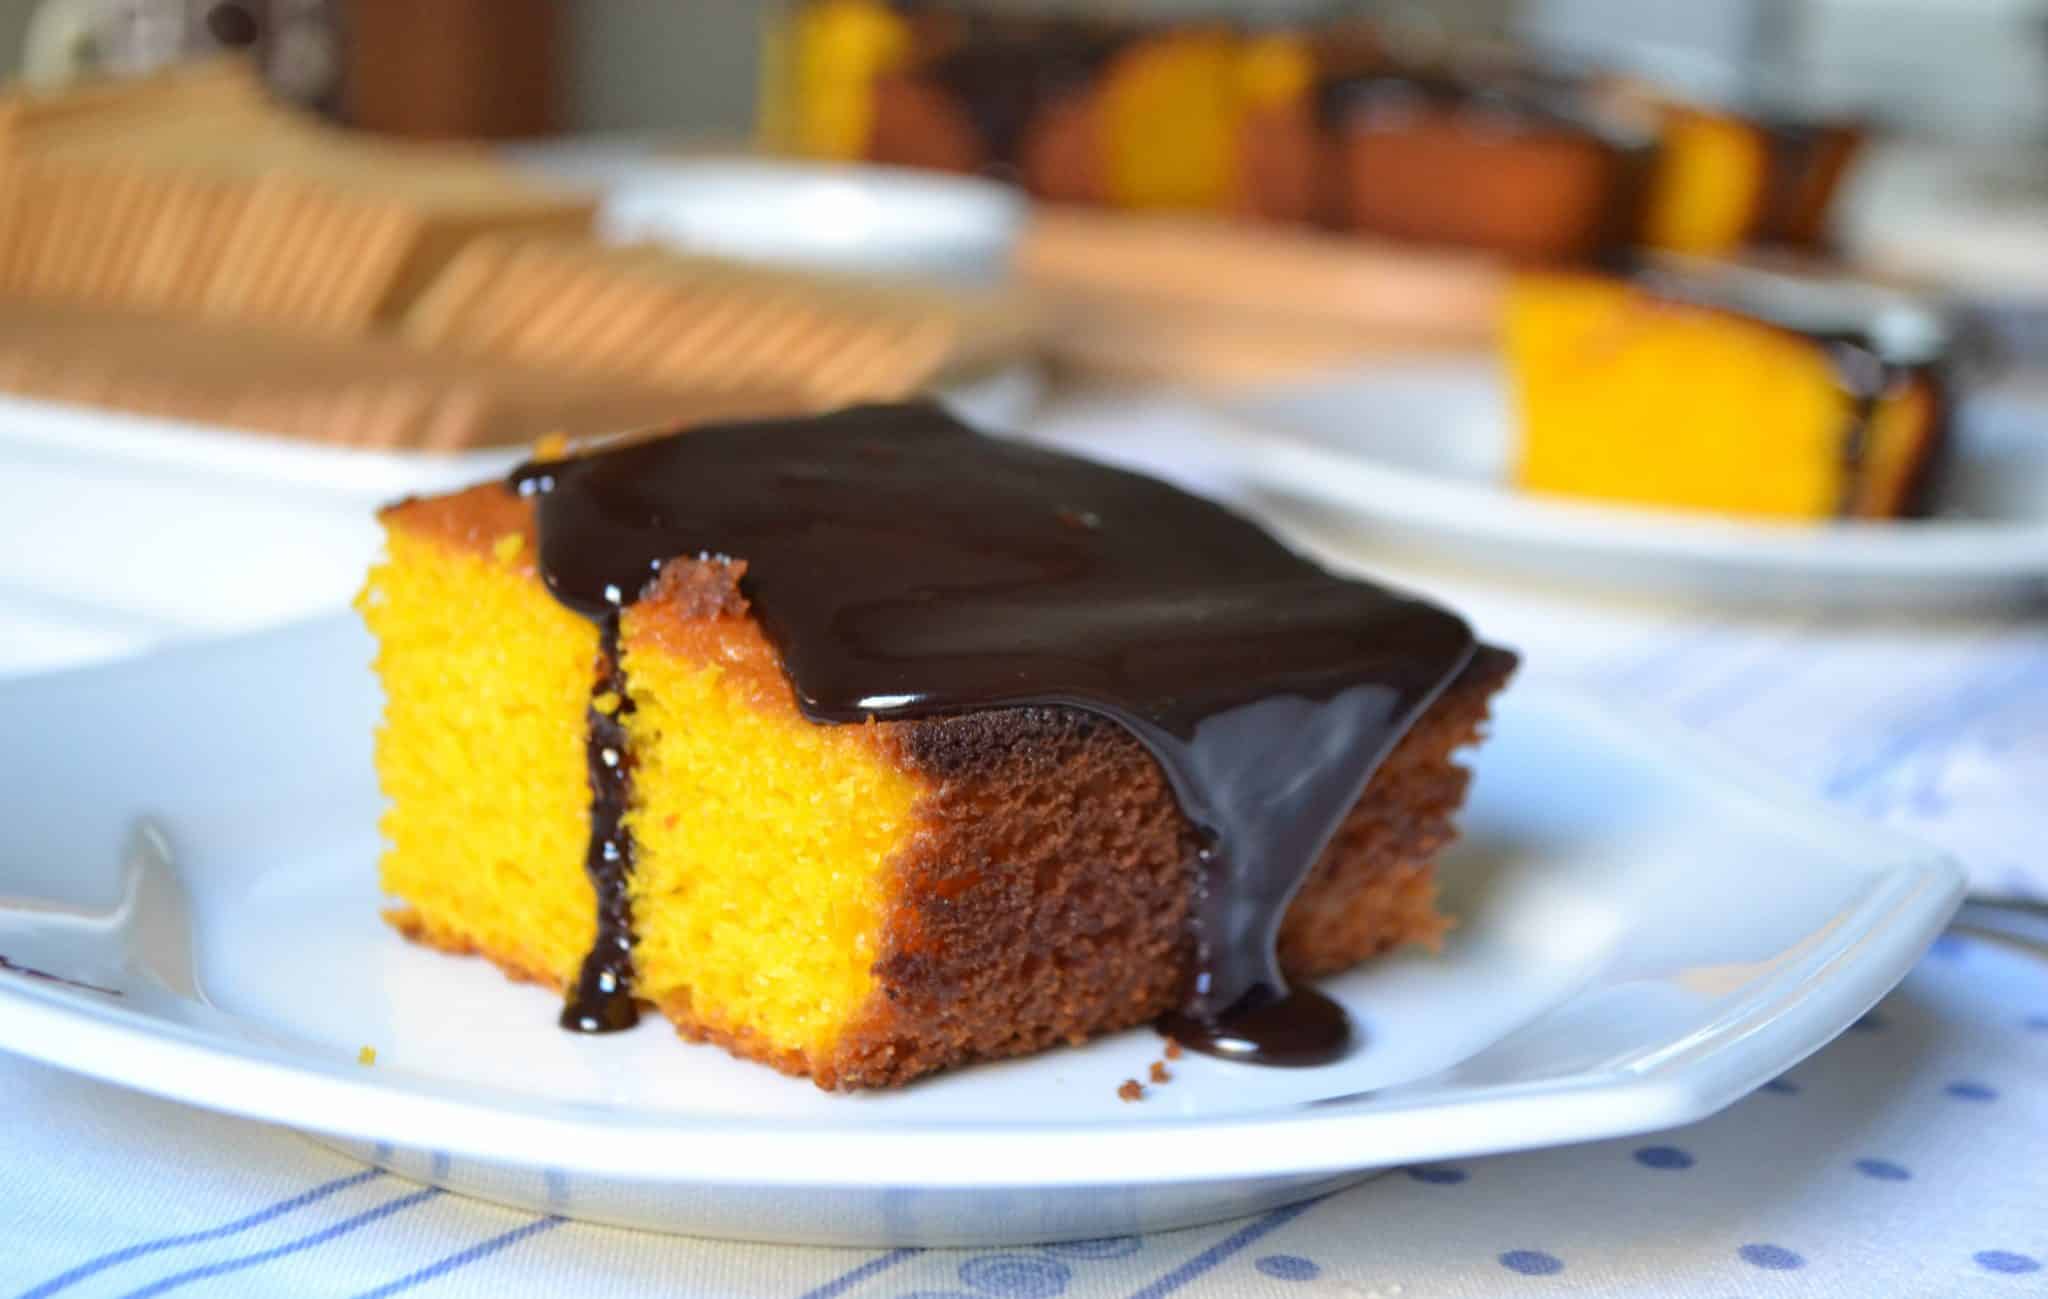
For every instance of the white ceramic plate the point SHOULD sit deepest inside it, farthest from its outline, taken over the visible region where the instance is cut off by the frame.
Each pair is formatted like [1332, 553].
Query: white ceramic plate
[1421, 454]
[1645, 935]
[118, 532]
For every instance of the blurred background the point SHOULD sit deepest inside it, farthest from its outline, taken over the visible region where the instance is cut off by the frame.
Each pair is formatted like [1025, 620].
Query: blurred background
[1740, 302]
[1909, 134]
[1968, 70]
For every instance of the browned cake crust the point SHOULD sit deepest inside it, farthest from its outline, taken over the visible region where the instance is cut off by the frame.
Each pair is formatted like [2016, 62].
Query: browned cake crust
[1047, 899]
[1044, 896]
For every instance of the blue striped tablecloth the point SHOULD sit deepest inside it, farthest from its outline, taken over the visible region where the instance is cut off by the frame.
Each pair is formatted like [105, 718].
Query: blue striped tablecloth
[1908, 1158]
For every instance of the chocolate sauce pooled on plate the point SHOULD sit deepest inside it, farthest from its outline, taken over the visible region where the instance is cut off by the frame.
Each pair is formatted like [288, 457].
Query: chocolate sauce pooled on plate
[904, 567]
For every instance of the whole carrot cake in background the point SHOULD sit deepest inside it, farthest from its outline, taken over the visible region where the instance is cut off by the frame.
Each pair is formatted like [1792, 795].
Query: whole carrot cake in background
[1331, 120]
[866, 746]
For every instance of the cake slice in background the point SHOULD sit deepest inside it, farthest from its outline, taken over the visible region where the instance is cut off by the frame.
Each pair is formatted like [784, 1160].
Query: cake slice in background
[1765, 397]
[1725, 180]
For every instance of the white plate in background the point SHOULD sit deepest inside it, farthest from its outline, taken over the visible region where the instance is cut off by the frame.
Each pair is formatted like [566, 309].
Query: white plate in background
[1645, 934]
[1421, 455]
[119, 531]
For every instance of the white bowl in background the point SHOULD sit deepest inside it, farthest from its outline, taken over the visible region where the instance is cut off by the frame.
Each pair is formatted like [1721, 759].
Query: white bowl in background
[832, 216]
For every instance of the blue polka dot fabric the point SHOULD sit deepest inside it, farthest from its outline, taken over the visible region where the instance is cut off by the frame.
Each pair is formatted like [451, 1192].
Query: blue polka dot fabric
[1670, 1157]
[1884, 1170]
[1909, 1157]
[1289, 1267]
[1774, 1257]
[1532, 1262]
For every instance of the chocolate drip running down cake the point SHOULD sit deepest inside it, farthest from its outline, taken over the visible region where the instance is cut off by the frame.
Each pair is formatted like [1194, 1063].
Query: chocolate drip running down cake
[866, 746]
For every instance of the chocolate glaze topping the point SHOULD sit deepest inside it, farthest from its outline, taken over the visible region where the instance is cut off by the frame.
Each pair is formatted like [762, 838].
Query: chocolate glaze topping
[905, 567]
[1865, 375]
[602, 1000]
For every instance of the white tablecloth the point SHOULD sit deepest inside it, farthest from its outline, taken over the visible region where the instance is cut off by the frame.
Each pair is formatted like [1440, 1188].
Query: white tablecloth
[1908, 1158]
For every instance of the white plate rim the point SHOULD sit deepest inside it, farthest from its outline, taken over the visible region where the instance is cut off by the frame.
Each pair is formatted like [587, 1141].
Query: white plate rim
[1000, 395]
[124, 437]
[1792, 1012]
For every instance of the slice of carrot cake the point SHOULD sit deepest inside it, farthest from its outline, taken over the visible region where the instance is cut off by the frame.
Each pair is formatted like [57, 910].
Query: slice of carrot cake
[865, 746]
